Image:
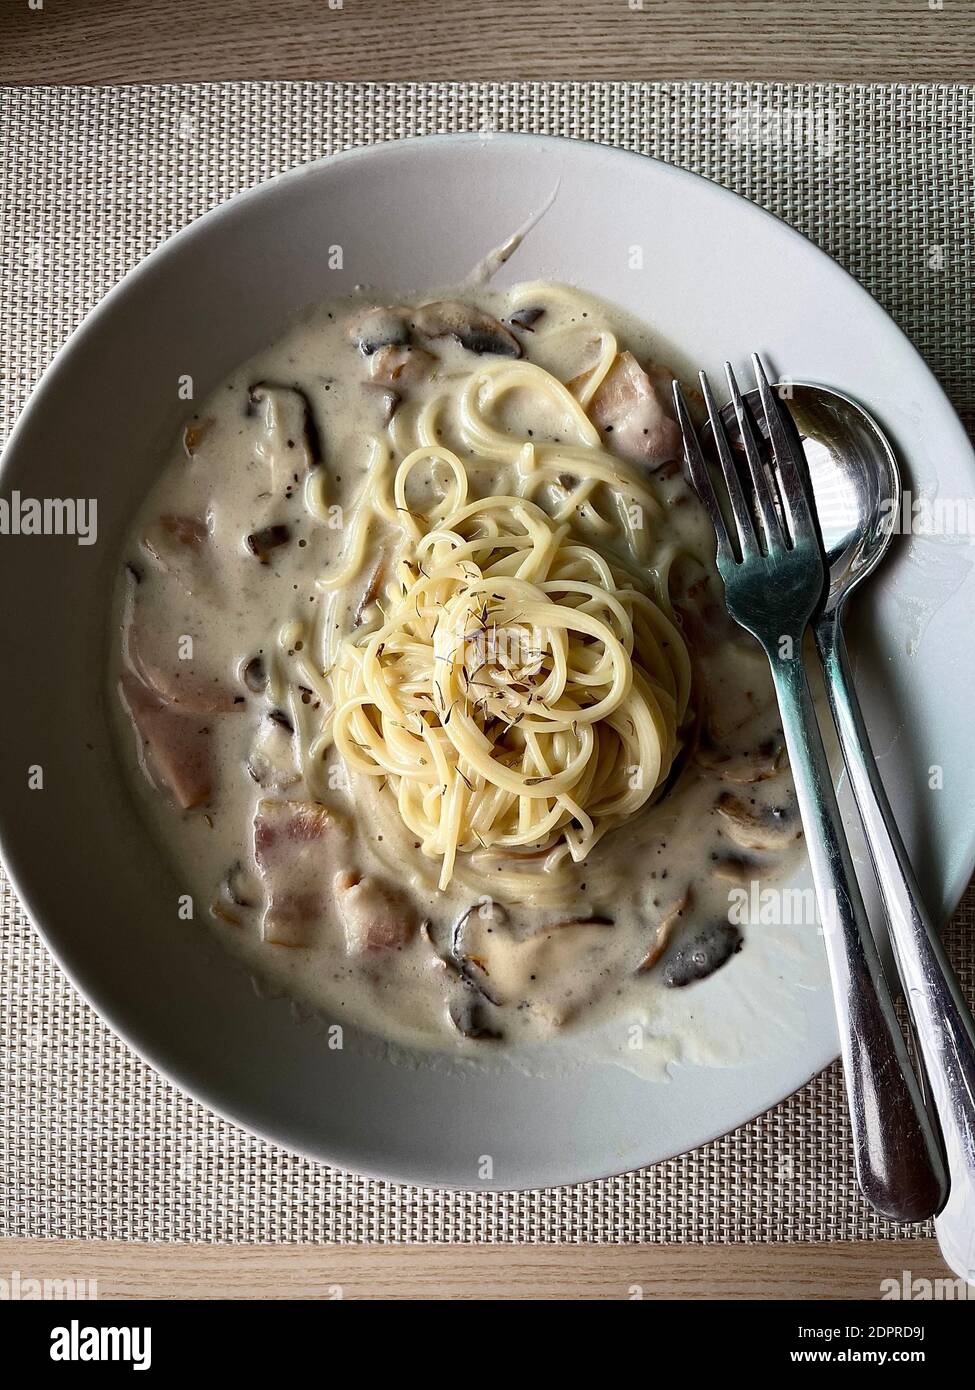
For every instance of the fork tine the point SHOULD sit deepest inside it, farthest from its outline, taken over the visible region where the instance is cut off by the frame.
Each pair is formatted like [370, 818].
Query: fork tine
[698, 469]
[761, 483]
[792, 488]
[739, 504]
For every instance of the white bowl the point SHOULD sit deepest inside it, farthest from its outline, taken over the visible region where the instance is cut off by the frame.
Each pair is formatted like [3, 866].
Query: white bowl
[720, 278]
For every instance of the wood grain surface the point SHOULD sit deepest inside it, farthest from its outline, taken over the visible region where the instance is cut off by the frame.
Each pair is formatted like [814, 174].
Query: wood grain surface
[521, 1272]
[112, 41]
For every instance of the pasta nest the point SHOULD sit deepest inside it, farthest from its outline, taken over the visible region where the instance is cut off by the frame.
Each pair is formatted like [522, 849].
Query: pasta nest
[519, 691]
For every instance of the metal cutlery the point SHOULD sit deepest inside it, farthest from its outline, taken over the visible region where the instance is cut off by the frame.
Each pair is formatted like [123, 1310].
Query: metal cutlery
[771, 563]
[861, 525]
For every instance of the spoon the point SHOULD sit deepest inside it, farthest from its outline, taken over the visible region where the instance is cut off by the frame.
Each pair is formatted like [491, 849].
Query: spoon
[857, 490]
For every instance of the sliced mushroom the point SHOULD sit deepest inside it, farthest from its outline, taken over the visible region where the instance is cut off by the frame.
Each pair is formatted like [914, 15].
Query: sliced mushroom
[371, 591]
[439, 959]
[235, 885]
[378, 328]
[401, 366]
[480, 920]
[592, 921]
[733, 869]
[254, 675]
[525, 318]
[272, 761]
[223, 913]
[703, 617]
[261, 543]
[553, 972]
[468, 1013]
[670, 920]
[290, 442]
[704, 955]
[466, 1004]
[757, 827]
[744, 768]
[488, 861]
[375, 917]
[473, 329]
[627, 408]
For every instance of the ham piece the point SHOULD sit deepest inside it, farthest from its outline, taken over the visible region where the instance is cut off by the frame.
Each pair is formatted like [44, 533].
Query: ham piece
[176, 744]
[628, 409]
[303, 851]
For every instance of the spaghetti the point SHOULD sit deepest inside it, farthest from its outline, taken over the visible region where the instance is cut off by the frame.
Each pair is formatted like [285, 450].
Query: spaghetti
[522, 686]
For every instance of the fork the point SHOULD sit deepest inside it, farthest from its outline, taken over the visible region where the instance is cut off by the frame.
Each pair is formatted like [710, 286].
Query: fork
[773, 571]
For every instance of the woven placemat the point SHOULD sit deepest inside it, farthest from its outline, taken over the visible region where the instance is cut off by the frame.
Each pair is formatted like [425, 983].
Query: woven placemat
[92, 1142]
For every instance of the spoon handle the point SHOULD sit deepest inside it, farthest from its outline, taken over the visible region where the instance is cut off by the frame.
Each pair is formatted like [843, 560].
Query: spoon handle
[895, 1150]
[942, 1021]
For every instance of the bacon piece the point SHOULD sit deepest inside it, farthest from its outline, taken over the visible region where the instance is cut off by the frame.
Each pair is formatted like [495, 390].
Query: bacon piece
[298, 846]
[375, 918]
[295, 843]
[177, 744]
[173, 540]
[177, 545]
[180, 683]
[670, 919]
[628, 409]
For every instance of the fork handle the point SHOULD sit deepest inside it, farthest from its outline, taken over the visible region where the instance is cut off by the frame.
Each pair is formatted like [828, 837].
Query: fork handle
[943, 1024]
[896, 1153]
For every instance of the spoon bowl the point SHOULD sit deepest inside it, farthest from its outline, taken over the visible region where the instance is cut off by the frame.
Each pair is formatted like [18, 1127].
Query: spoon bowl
[854, 476]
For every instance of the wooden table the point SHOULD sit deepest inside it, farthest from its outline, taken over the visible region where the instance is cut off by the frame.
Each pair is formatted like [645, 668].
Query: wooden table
[854, 1270]
[114, 41]
[428, 40]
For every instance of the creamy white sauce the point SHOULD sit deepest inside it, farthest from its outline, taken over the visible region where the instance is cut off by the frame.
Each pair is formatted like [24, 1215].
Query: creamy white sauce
[234, 609]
